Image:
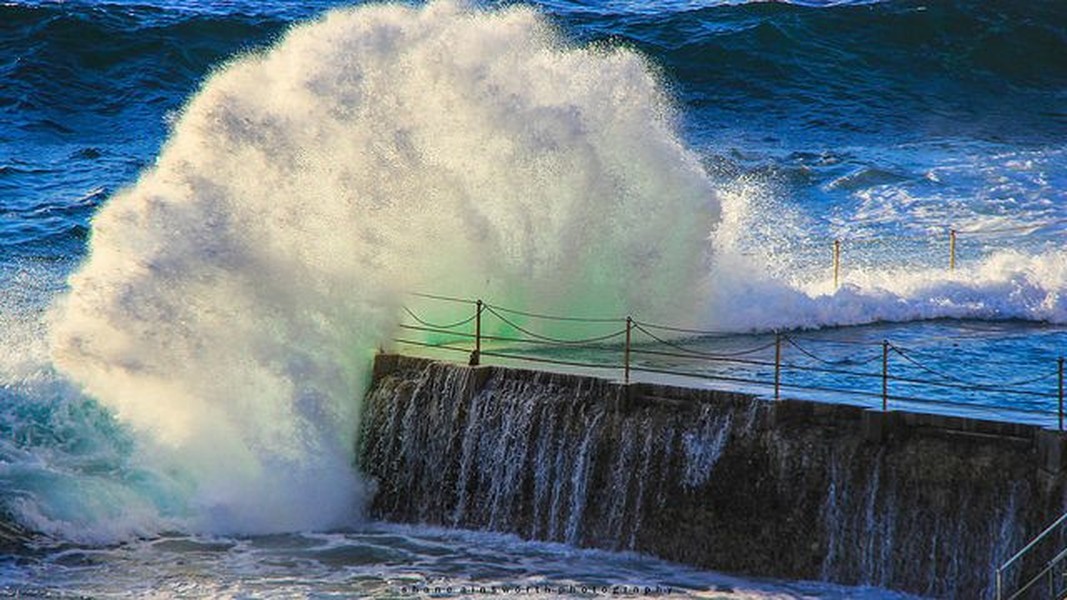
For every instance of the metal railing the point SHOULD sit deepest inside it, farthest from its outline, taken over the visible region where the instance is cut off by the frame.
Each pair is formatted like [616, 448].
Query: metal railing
[1049, 581]
[630, 345]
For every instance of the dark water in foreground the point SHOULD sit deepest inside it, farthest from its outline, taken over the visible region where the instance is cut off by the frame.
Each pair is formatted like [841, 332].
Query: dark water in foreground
[380, 561]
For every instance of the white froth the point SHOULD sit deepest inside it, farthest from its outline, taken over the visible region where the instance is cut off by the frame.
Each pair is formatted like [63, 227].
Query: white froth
[232, 298]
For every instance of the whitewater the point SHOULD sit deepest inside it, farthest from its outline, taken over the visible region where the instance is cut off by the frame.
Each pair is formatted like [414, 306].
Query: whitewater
[196, 369]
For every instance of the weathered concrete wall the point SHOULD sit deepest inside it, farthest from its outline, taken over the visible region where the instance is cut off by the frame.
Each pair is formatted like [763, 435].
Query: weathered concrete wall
[795, 489]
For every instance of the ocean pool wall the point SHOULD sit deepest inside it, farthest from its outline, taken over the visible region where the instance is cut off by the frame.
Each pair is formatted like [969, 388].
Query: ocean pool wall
[927, 504]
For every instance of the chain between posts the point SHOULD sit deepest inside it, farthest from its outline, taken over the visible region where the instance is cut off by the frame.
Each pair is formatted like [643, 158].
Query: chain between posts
[952, 234]
[476, 353]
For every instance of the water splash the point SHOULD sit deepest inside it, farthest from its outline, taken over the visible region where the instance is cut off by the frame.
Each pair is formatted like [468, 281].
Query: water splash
[232, 297]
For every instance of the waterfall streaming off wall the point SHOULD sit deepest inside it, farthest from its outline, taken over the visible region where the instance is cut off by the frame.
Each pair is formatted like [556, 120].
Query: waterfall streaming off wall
[714, 479]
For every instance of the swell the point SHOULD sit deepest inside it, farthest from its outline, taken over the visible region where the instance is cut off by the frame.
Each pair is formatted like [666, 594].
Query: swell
[84, 102]
[990, 68]
[69, 71]
[762, 48]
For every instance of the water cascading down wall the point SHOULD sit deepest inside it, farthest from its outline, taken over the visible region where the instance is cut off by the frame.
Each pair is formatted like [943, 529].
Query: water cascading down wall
[726, 481]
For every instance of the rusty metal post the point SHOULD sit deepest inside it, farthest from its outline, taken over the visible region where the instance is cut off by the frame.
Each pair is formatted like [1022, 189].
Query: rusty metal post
[885, 375]
[837, 263]
[951, 249]
[777, 365]
[476, 354]
[626, 351]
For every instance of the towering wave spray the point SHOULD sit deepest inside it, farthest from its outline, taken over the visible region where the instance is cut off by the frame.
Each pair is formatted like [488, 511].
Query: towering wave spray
[232, 297]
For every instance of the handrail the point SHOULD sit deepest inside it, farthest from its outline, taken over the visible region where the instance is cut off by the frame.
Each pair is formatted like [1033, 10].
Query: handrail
[450, 346]
[1041, 536]
[1046, 570]
[1026, 550]
[676, 347]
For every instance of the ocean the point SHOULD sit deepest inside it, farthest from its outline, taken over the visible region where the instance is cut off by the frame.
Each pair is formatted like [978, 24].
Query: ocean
[211, 216]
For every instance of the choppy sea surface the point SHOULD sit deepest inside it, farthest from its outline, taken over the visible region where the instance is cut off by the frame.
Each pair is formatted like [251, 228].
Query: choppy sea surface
[209, 214]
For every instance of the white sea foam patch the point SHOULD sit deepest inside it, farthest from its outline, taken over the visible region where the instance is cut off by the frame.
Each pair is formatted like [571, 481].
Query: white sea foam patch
[1006, 285]
[232, 298]
[766, 277]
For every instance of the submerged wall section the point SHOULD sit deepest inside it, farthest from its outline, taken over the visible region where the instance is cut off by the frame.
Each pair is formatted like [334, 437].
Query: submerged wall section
[719, 480]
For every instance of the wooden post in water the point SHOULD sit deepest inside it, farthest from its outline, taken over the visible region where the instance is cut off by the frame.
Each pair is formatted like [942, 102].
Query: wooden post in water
[837, 262]
[626, 351]
[885, 375]
[951, 249]
[476, 354]
[777, 365]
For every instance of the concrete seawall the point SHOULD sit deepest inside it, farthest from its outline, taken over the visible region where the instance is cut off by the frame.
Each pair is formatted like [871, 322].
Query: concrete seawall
[796, 489]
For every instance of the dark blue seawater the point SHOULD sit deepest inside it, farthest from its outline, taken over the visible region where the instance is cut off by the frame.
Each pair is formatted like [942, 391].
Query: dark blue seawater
[88, 91]
[880, 124]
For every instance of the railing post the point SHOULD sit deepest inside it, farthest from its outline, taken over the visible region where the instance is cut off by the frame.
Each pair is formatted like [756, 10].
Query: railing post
[951, 249]
[1000, 583]
[837, 262]
[626, 351]
[476, 354]
[777, 365]
[885, 375]
[1061, 391]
